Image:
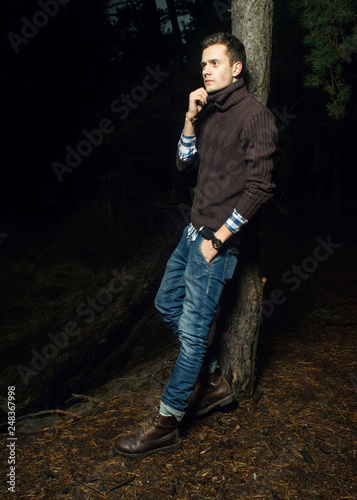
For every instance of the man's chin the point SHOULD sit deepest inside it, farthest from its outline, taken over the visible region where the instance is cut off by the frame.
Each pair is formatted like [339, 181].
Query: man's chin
[211, 89]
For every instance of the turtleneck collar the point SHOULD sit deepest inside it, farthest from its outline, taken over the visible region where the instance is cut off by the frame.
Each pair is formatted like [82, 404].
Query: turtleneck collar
[228, 96]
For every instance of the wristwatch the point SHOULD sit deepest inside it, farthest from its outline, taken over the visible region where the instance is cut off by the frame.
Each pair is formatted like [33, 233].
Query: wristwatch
[208, 234]
[216, 243]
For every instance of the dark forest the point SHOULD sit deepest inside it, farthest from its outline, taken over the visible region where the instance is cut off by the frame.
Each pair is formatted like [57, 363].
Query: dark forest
[94, 98]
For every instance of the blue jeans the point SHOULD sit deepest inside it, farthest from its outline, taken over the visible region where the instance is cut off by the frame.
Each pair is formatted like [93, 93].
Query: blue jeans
[187, 300]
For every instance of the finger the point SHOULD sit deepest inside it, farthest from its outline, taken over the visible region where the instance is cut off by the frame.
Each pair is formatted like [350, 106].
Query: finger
[200, 93]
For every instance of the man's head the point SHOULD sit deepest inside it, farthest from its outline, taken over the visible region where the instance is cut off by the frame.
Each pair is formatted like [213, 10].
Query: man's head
[223, 60]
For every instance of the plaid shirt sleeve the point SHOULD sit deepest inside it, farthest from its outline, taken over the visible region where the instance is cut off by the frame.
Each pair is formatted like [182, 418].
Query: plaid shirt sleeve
[186, 146]
[235, 222]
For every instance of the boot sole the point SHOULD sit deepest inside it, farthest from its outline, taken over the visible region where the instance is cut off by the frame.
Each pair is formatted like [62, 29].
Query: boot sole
[221, 403]
[163, 449]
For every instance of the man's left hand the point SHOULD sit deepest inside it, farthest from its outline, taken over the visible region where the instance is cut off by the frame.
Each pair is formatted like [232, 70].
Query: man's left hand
[207, 250]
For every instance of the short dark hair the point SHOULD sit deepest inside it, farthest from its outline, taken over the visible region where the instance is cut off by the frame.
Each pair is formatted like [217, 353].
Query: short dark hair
[235, 48]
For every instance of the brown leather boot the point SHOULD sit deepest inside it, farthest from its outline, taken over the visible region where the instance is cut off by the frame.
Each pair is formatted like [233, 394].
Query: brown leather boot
[214, 392]
[161, 434]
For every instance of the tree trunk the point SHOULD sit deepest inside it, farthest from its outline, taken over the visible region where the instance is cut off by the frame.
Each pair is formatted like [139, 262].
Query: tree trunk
[239, 320]
[252, 23]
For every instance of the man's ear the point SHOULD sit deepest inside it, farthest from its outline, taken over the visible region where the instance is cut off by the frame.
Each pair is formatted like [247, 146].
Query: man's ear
[237, 68]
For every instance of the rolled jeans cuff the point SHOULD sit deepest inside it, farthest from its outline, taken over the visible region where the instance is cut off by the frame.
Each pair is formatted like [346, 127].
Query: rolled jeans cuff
[167, 411]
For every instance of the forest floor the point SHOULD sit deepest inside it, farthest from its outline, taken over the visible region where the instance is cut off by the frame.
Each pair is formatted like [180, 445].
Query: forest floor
[295, 439]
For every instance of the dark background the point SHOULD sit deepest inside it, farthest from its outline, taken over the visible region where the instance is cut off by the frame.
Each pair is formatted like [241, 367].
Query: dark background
[65, 78]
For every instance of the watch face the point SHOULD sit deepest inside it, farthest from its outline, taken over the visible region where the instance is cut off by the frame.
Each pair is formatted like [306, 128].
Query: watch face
[216, 243]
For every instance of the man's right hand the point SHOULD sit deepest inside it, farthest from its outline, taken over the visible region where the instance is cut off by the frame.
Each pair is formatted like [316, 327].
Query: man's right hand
[197, 99]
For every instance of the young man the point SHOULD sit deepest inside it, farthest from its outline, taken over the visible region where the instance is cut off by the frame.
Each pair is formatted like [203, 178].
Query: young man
[231, 137]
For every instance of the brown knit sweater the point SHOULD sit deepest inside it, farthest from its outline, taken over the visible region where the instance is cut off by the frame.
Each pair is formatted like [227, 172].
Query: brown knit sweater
[236, 137]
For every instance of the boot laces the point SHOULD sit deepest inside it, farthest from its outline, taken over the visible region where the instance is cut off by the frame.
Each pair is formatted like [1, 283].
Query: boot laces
[149, 426]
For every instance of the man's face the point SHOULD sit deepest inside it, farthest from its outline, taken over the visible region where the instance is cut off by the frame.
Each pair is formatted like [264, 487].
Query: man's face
[216, 70]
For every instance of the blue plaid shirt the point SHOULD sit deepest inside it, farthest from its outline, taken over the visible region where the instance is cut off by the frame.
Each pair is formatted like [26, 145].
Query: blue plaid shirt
[186, 149]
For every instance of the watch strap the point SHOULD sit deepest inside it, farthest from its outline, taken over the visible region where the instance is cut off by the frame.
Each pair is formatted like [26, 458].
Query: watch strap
[206, 232]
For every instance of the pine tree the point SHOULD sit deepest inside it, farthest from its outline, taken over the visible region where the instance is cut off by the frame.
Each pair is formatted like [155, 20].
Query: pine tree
[331, 37]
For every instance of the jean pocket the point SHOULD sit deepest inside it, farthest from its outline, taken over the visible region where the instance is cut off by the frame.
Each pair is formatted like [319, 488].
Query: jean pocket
[201, 254]
[230, 264]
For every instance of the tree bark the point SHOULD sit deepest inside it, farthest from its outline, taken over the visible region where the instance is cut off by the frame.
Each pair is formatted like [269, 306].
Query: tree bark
[252, 23]
[237, 327]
